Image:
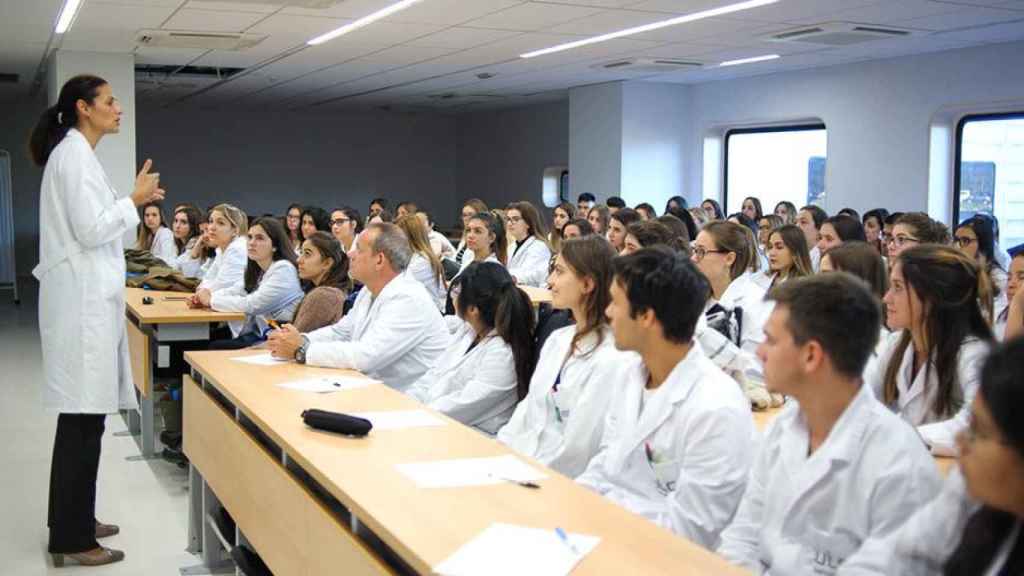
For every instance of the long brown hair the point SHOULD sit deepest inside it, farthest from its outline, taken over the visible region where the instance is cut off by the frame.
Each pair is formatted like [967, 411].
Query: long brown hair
[416, 232]
[495, 224]
[863, 261]
[591, 257]
[144, 238]
[732, 237]
[795, 241]
[534, 222]
[329, 247]
[194, 217]
[282, 250]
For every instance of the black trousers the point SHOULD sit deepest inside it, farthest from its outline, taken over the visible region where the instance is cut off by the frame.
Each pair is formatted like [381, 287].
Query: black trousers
[76, 461]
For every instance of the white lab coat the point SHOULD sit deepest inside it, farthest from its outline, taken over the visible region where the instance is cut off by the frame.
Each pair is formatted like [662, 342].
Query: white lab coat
[747, 293]
[804, 514]
[469, 259]
[815, 254]
[917, 395]
[81, 272]
[419, 269]
[394, 337]
[999, 327]
[276, 297]
[163, 246]
[440, 244]
[529, 264]
[562, 428]
[681, 458]
[227, 267]
[476, 387]
[187, 265]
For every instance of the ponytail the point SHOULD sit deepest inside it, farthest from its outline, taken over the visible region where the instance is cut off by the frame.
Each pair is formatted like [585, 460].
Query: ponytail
[514, 323]
[55, 122]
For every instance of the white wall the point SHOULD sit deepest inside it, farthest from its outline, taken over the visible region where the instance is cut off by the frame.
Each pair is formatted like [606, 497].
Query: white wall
[595, 140]
[655, 119]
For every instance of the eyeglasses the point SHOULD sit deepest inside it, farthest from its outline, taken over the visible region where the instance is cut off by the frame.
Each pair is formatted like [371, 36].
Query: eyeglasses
[964, 241]
[901, 240]
[340, 221]
[699, 253]
[514, 219]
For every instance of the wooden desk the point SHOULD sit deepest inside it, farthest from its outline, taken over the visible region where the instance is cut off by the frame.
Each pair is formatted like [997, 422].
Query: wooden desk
[229, 404]
[537, 296]
[149, 325]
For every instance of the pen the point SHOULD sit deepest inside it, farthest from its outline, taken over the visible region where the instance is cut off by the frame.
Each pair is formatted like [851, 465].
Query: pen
[175, 298]
[565, 539]
[273, 324]
[523, 483]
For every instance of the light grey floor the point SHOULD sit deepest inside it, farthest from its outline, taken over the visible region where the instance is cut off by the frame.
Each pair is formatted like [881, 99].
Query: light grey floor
[147, 499]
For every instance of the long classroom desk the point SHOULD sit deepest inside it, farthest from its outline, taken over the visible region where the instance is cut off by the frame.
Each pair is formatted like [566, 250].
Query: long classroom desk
[167, 319]
[311, 502]
[537, 296]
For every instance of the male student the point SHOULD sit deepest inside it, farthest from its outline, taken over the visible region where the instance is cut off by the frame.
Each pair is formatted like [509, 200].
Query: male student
[836, 467]
[614, 204]
[679, 436]
[394, 331]
[809, 219]
[584, 203]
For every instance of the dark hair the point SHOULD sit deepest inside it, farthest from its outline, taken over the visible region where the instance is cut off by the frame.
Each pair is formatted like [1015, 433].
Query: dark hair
[680, 232]
[949, 286]
[615, 202]
[892, 218]
[864, 262]
[651, 212]
[410, 207]
[988, 528]
[54, 123]
[836, 310]
[352, 214]
[586, 197]
[382, 202]
[686, 218]
[651, 233]
[653, 278]
[567, 207]
[384, 215]
[584, 225]
[757, 207]
[744, 220]
[732, 237]
[503, 307]
[817, 214]
[927, 230]
[144, 236]
[847, 228]
[879, 214]
[679, 200]
[719, 215]
[321, 219]
[194, 217]
[791, 211]
[496, 226]
[982, 228]
[282, 250]
[795, 241]
[591, 257]
[329, 247]
[626, 216]
[849, 212]
[531, 216]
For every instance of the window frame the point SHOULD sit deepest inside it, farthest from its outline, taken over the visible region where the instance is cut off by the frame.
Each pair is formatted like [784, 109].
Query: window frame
[802, 127]
[958, 150]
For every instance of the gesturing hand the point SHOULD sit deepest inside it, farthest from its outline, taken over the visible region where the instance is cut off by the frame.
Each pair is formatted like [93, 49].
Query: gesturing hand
[147, 186]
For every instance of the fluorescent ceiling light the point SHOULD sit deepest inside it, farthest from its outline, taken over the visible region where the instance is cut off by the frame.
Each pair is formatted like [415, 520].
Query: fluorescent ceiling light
[67, 15]
[749, 60]
[364, 21]
[652, 26]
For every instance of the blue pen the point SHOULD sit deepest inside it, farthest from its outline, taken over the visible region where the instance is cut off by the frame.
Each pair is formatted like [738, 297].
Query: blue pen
[565, 540]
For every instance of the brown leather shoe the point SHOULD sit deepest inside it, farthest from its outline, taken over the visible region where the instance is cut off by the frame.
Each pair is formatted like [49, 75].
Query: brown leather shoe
[95, 557]
[106, 530]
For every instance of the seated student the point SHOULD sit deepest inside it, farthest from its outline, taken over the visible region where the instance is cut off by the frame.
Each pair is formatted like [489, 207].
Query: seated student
[486, 240]
[439, 243]
[617, 226]
[269, 290]
[646, 211]
[470, 208]
[1010, 320]
[187, 234]
[405, 209]
[927, 371]
[559, 421]
[712, 209]
[835, 468]
[787, 255]
[346, 224]
[614, 204]
[424, 266]
[576, 228]
[486, 369]
[912, 229]
[676, 203]
[700, 217]
[377, 205]
[973, 527]
[678, 436]
[314, 219]
[530, 254]
[874, 228]
[839, 229]
[809, 219]
[680, 230]
[393, 333]
[323, 269]
[684, 216]
[226, 235]
[584, 203]
[154, 235]
[751, 208]
[382, 217]
[598, 216]
[787, 211]
[560, 216]
[975, 237]
[293, 221]
[644, 235]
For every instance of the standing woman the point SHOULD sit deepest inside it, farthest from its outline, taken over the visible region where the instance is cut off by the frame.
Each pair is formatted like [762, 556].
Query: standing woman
[787, 255]
[81, 273]
[531, 253]
[154, 235]
[292, 221]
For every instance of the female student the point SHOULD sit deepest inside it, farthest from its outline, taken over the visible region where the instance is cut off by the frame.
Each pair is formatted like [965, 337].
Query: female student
[787, 211]
[187, 234]
[269, 290]
[576, 228]
[154, 235]
[1010, 320]
[712, 209]
[314, 218]
[765, 226]
[644, 234]
[439, 243]
[912, 229]
[424, 266]
[646, 211]
[975, 237]
[598, 217]
[486, 371]
[559, 422]
[225, 234]
[346, 224]
[751, 208]
[561, 216]
[486, 239]
[839, 229]
[470, 208]
[787, 255]
[531, 254]
[323, 270]
[863, 261]
[874, 227]
[293, 221]
[928, 369]
[676, 203]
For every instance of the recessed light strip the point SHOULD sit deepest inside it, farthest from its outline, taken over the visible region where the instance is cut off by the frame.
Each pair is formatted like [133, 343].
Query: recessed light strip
[749, 60]
[652, 26]
[67, 15]
[364, 21]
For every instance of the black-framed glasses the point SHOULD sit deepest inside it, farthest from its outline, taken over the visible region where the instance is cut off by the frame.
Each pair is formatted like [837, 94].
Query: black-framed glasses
[699, 253]
[964, 241]
[340, 221]
[901, 240]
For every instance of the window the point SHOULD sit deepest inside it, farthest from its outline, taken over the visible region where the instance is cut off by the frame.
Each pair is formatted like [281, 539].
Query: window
[990, 172]
[775, 164]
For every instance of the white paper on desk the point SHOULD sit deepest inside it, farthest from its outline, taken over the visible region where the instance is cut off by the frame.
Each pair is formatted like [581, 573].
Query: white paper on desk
[326, 384]
[260, 359]
[505, 549]
[396, 419]
[470, 472]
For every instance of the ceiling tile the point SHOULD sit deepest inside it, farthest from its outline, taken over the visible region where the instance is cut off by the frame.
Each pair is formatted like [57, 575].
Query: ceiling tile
[166, 56]
[450, 12]
[24, 22]
[234, 6]
[213, 21]
[103, 16]
[964, 18]
[463, 37]
[532, 16]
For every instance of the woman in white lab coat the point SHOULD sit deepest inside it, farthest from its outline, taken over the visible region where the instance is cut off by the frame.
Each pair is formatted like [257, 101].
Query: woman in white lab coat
[928, 369]
[531, 254]
[974, 526]
[1010, 320]
[424, 266]
[269, 290]
[559, 422]
[226, 234]
[463, 253]
[788, 257]
[187, 233]
[81, 271]
[486, 370]
[154, 235]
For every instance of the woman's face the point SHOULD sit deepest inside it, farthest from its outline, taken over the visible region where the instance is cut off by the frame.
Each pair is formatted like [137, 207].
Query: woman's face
[560, 218]
[1016, 277]
[294, 219]
[567, 288]
[617, 234]
[780, 259]
[966, 239]
[903, 237]
[872, 229]
[402, 211]
[375, 209]
[571, 231]
[805, 220]
[479, 239]
[342, 227]
[308, 226]
[517, 227]
[104, 112]
[312, 266]
[629, 245]
[749, 209]
[644, 214]
[903, 309]
[993, 471]
[594, 217]
[828, 238]
[152, 217]
[709, 209]
[221, 230]
[825, 265]
[182, 229]
[708, 258]
[467, 213]
[673, 204]
[261, 248]
[764, 230]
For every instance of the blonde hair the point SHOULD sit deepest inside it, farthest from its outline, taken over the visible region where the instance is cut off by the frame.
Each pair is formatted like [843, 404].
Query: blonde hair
[419, 241]
[235, 216]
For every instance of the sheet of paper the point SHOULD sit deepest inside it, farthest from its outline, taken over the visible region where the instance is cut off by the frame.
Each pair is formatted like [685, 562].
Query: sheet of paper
[396, 419]
[260, 360]
[470, 472]
[326, 384]
[498, 551]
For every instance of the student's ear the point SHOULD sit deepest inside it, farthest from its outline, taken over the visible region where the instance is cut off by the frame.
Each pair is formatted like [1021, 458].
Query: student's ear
[813, 357]
[588, 285]
[730, 257]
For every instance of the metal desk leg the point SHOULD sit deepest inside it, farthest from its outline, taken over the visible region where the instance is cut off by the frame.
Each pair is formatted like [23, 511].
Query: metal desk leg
[148, 433]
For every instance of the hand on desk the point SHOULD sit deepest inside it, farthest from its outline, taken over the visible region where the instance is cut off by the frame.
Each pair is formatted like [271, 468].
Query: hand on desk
[201, 299]
[284, 342]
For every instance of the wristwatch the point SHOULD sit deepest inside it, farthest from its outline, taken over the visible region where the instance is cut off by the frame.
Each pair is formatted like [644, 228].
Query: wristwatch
[300, 352]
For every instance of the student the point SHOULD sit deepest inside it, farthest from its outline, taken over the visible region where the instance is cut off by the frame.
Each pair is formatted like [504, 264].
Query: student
[560, 216]
[912, 229]
[809, 220]
[712, 209]
[346, 224]
[269, 290]
[765, 226]
[615, 204]
[700, 218]
[751, 208]
[680, 232]
[394, 332]
[377, 205]
[470, 208]
[861, 260]
[486, 240]
[531, 254]
[683, 215]
[928, 370]
[975, 237]
[874, 227]
[584, 203]
[743, 220]
[598, 216]
[226, 235]
[382, 217]
[839, 229]
[154, 235]
[424, 266]
[678, 437]
[486, 370]
[314, 218]
[646, 211]
[323, 270]
[559, 421]
[787, 211]
[293, 221]
[835, 468]
[405, 208]
[787, 255]
[617, 226]
[849, 212]
[644, 235]
[439, 244]
[187, 234]
[676, 202]
[577, 228]
[887, 226]
[1010, 320]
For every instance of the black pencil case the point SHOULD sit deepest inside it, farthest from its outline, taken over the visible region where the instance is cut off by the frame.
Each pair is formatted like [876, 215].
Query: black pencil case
[337, 422]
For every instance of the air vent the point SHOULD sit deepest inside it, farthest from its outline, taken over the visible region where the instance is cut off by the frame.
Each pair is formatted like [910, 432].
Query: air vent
[8, 78]
[210, 72]
[193, 39]
[647, 65]
[840, 34]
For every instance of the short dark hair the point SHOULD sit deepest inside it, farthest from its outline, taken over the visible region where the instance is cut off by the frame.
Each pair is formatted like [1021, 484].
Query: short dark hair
[653, 279]
[838, 311]
[817, 214]
[892, 218]
[615, 202]
[586, 197]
